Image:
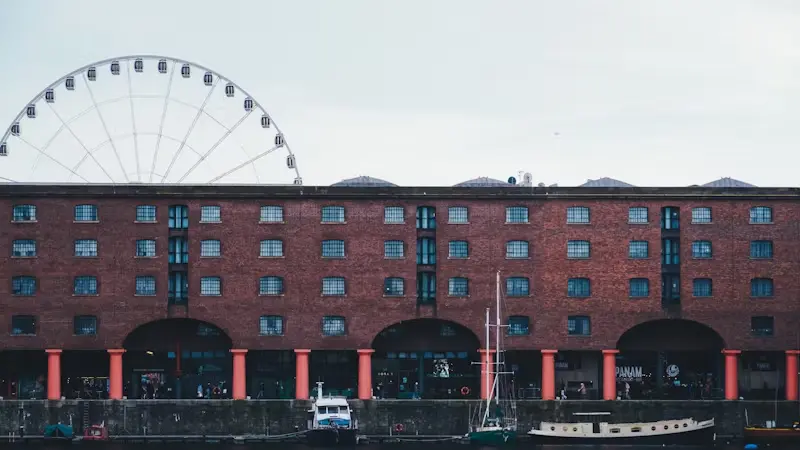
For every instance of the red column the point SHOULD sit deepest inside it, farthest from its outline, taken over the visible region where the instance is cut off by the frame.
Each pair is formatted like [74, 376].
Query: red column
[487, 365]
[731, 374]
[115, 373]
[301, 374]
[365, 374]
[239, 388]
[610, 374]
[53, 374]
[549, 374]
[791, 374]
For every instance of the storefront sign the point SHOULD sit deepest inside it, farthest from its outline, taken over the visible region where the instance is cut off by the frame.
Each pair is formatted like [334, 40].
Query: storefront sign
[629, 373]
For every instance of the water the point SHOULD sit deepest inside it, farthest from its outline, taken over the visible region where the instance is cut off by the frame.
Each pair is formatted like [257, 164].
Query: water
[403, 446]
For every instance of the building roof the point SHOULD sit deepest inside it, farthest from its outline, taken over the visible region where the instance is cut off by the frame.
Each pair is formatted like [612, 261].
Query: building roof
[605, 182]
[727, 182]
[363, 181]
[483, 182]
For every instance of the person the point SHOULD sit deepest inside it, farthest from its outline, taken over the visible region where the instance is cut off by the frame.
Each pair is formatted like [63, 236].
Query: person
[582, 391]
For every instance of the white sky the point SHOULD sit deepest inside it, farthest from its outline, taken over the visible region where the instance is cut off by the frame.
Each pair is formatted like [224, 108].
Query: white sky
[434, 92]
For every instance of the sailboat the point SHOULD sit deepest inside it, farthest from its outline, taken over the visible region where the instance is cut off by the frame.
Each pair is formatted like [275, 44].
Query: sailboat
[495, 422]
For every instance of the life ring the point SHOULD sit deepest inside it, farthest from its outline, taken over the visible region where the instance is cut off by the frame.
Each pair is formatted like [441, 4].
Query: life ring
[398, 427]
[465, 390]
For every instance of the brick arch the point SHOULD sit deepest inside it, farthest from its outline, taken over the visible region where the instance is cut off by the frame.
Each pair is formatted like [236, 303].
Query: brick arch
[426, 334]
[671, 335]
[163, 334]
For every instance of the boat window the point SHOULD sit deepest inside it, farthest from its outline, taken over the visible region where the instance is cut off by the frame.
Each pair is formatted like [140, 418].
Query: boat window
[676, 425]
[552, 428]
[574, 428]
[636, 429]
[685, 425]
[666, 427]
[653, 428]
[615, 430]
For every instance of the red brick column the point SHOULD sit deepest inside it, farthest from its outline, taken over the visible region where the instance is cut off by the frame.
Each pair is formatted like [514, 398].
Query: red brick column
[791, 374]
[549, 374]
[610, 374]
[53, 374]
[239, 389]
[301, 373]
[365, 374]
[731, 374]
[115, 373]
[487, 362]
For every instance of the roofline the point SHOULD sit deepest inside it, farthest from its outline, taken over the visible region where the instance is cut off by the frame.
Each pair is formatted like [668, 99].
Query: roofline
[76, 190]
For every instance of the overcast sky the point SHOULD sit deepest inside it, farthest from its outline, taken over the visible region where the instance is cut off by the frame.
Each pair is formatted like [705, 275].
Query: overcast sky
[433, 92]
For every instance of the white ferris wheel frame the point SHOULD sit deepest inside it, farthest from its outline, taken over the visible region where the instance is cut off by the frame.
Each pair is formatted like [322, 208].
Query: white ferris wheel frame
[167, 99]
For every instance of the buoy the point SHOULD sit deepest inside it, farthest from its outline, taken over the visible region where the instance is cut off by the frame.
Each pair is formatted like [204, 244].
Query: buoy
[750, 447]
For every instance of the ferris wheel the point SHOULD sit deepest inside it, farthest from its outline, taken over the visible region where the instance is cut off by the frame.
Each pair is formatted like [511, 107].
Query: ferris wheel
[145, 119]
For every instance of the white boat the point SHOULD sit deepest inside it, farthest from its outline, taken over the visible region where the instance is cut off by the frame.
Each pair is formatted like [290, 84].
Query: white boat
[663, 432]
[495, 422]
[331, 421]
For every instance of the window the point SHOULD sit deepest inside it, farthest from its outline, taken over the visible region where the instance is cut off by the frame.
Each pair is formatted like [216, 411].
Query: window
[210, 248]
[210, 286]
[670, 218]
[333, 248]
[701, 215]
[516, 249]
[577, 214]
[702, 287]
[516, 214]
[701, 249]
[23, 248]
[761, 287]
[426, 218]
[394, 214]
[273, 248]
[393, 287]
[212, 214]
[670, 252]
[333, 286]
[761, 214]
[579, 287]
[518, 326]
[86, 213]
[458, 287]
[426, 251]
[458, 249]
[23, 286]
[578, 249]
[579, 326]
[86, 248]
[145, 285]
[762, 325]
[670, 290]
[393, 249]
[333, 214]
[457, 214]
[270, 285]
[761, 249]
[85, 326]
[145, 213]
[85, 285]
[637, 214]
[145, 248]
[178, 288]
[333, 326]
[517, 286]
[426, 288]
[271, 214]
[638, 249]
[24, 213]
[178, 217]
[270, 326]
[178, 250]
[23, 325]
[639, 287]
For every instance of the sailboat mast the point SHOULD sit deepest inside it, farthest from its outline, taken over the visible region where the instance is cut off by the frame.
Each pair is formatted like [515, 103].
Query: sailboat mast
[497, 339]
[487, 370]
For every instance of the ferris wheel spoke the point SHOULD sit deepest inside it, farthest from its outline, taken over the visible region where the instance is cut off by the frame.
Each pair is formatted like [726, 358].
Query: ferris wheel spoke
[133, 124]
[250, 161]
[105, 127]
[161, 124]
[214, 147]
[191, 128]
[8, 179]
[53, 159]
[69, 128]
[102, 144]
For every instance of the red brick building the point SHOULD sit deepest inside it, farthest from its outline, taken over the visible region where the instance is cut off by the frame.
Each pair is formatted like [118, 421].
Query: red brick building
[264, 290]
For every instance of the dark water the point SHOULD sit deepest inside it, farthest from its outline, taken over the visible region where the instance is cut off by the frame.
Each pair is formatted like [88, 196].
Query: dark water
[403, 446]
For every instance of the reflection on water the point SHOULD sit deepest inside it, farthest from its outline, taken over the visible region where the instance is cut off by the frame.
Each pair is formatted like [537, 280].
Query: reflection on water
[403, 446]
